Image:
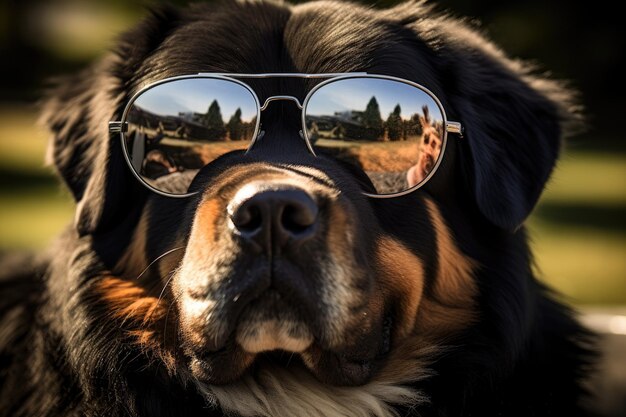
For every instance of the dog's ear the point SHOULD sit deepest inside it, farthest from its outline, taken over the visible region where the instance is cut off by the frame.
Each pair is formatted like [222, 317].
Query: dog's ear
[514, 124]
[514, 120]
[77, 111]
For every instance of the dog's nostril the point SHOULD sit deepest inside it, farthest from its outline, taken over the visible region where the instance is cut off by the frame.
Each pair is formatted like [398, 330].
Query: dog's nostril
[299, 216]
[274, 217]
[248, 218]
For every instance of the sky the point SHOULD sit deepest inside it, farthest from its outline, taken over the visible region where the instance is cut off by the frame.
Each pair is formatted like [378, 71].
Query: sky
[355, 93]
[196, 95]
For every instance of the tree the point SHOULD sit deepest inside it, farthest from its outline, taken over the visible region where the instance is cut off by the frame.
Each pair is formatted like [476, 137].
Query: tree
[214, 123]
[414, 126]
[394, 124]
[247, 129]
[235, 126]
[372, 121]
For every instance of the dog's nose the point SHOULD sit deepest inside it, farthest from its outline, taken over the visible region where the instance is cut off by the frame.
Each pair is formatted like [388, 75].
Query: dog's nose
[274, 217]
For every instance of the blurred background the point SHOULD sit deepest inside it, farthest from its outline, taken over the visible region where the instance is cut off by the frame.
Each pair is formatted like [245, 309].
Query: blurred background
[578, 230]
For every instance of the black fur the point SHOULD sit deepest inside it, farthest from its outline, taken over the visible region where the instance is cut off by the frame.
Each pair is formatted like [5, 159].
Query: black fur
[60, 354]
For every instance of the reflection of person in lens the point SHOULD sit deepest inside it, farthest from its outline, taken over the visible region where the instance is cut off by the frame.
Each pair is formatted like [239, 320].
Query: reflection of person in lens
[156, 164]
[314, 132]
[428, 149]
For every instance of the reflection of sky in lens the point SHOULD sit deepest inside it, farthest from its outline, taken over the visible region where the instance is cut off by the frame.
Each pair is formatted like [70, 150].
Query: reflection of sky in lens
[355, 93]
[196, 95]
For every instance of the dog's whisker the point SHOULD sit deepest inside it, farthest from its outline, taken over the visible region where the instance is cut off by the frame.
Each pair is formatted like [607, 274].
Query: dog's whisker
[167, 316]
[157, 259]
[165, 323]
[171, 276]
[290, 358]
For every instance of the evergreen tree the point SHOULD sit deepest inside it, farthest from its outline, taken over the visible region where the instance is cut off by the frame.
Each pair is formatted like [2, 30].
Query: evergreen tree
[235, 126]
[372, 121]
[247, 129]
[214, 123]
[414, 126]
[394, 124]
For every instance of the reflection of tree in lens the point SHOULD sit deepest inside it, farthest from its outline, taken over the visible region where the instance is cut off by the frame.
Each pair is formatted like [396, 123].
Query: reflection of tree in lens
[235, 126]
[395, 127]
[372, 121]
[247, 129]
[213, 121]
[414, 126]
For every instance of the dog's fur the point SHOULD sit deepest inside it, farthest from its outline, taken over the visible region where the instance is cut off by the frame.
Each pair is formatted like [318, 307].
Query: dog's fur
[424, 304]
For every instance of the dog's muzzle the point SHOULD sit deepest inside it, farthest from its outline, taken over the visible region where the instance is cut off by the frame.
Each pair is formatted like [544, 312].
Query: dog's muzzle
[276, 264]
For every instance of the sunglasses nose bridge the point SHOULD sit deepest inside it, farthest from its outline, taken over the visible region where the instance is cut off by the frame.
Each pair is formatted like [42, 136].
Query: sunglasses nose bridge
[281, 98]
[293, 99]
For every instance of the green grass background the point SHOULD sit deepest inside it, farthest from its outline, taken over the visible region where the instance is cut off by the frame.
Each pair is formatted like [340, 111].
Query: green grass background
[578, 230]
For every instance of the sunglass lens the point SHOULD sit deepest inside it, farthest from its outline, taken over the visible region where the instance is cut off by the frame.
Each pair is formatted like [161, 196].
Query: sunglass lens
[392, 130]
[177, 127]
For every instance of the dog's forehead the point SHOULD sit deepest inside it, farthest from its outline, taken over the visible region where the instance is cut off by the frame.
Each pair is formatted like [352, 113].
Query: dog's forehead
[270, 37]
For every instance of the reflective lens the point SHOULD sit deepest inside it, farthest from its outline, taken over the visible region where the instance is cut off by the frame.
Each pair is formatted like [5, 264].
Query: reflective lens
[392, 130]
[177, 127]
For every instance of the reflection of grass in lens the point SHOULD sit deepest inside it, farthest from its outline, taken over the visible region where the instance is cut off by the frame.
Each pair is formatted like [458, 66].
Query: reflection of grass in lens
[211, 151]
[195, 154]
[375, 156]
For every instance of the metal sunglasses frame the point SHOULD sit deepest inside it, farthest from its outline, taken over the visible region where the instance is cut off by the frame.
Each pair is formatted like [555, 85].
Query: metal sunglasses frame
[121, 126]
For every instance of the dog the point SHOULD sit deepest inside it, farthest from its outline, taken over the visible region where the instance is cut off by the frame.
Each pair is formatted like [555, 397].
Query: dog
[422, 304]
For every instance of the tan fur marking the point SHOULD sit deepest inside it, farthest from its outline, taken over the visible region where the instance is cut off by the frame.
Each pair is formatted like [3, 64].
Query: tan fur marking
[129, 301]
[141, 313]
[203, 230]
[340, 237]
[451, 307]
[402, 274]
[455, 283]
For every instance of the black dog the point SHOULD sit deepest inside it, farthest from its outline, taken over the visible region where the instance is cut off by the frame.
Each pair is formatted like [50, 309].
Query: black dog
[423, 304]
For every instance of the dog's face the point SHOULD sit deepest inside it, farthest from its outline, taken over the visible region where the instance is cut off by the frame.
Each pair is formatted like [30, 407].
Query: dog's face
[279, 258]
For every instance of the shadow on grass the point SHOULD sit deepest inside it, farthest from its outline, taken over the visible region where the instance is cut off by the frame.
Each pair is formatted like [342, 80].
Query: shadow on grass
[610, 219]
[15, 180]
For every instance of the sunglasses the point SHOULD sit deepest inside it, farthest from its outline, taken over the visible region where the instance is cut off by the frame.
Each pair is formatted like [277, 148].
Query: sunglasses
[392, 129]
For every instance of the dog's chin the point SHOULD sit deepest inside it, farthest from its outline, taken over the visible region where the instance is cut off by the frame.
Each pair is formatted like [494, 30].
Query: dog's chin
[269, 323]
[329, 367]
[271, 329]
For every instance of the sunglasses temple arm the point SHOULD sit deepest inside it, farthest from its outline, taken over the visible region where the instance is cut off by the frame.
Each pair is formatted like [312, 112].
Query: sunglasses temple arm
[118, 126]
[455, 127]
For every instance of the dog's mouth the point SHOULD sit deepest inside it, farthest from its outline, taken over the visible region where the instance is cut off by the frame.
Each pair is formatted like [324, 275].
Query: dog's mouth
[342, 368]
[270, 331]
[269, 323]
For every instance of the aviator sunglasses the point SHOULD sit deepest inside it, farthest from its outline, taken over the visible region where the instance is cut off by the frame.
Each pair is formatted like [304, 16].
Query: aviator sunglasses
[393, 129]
